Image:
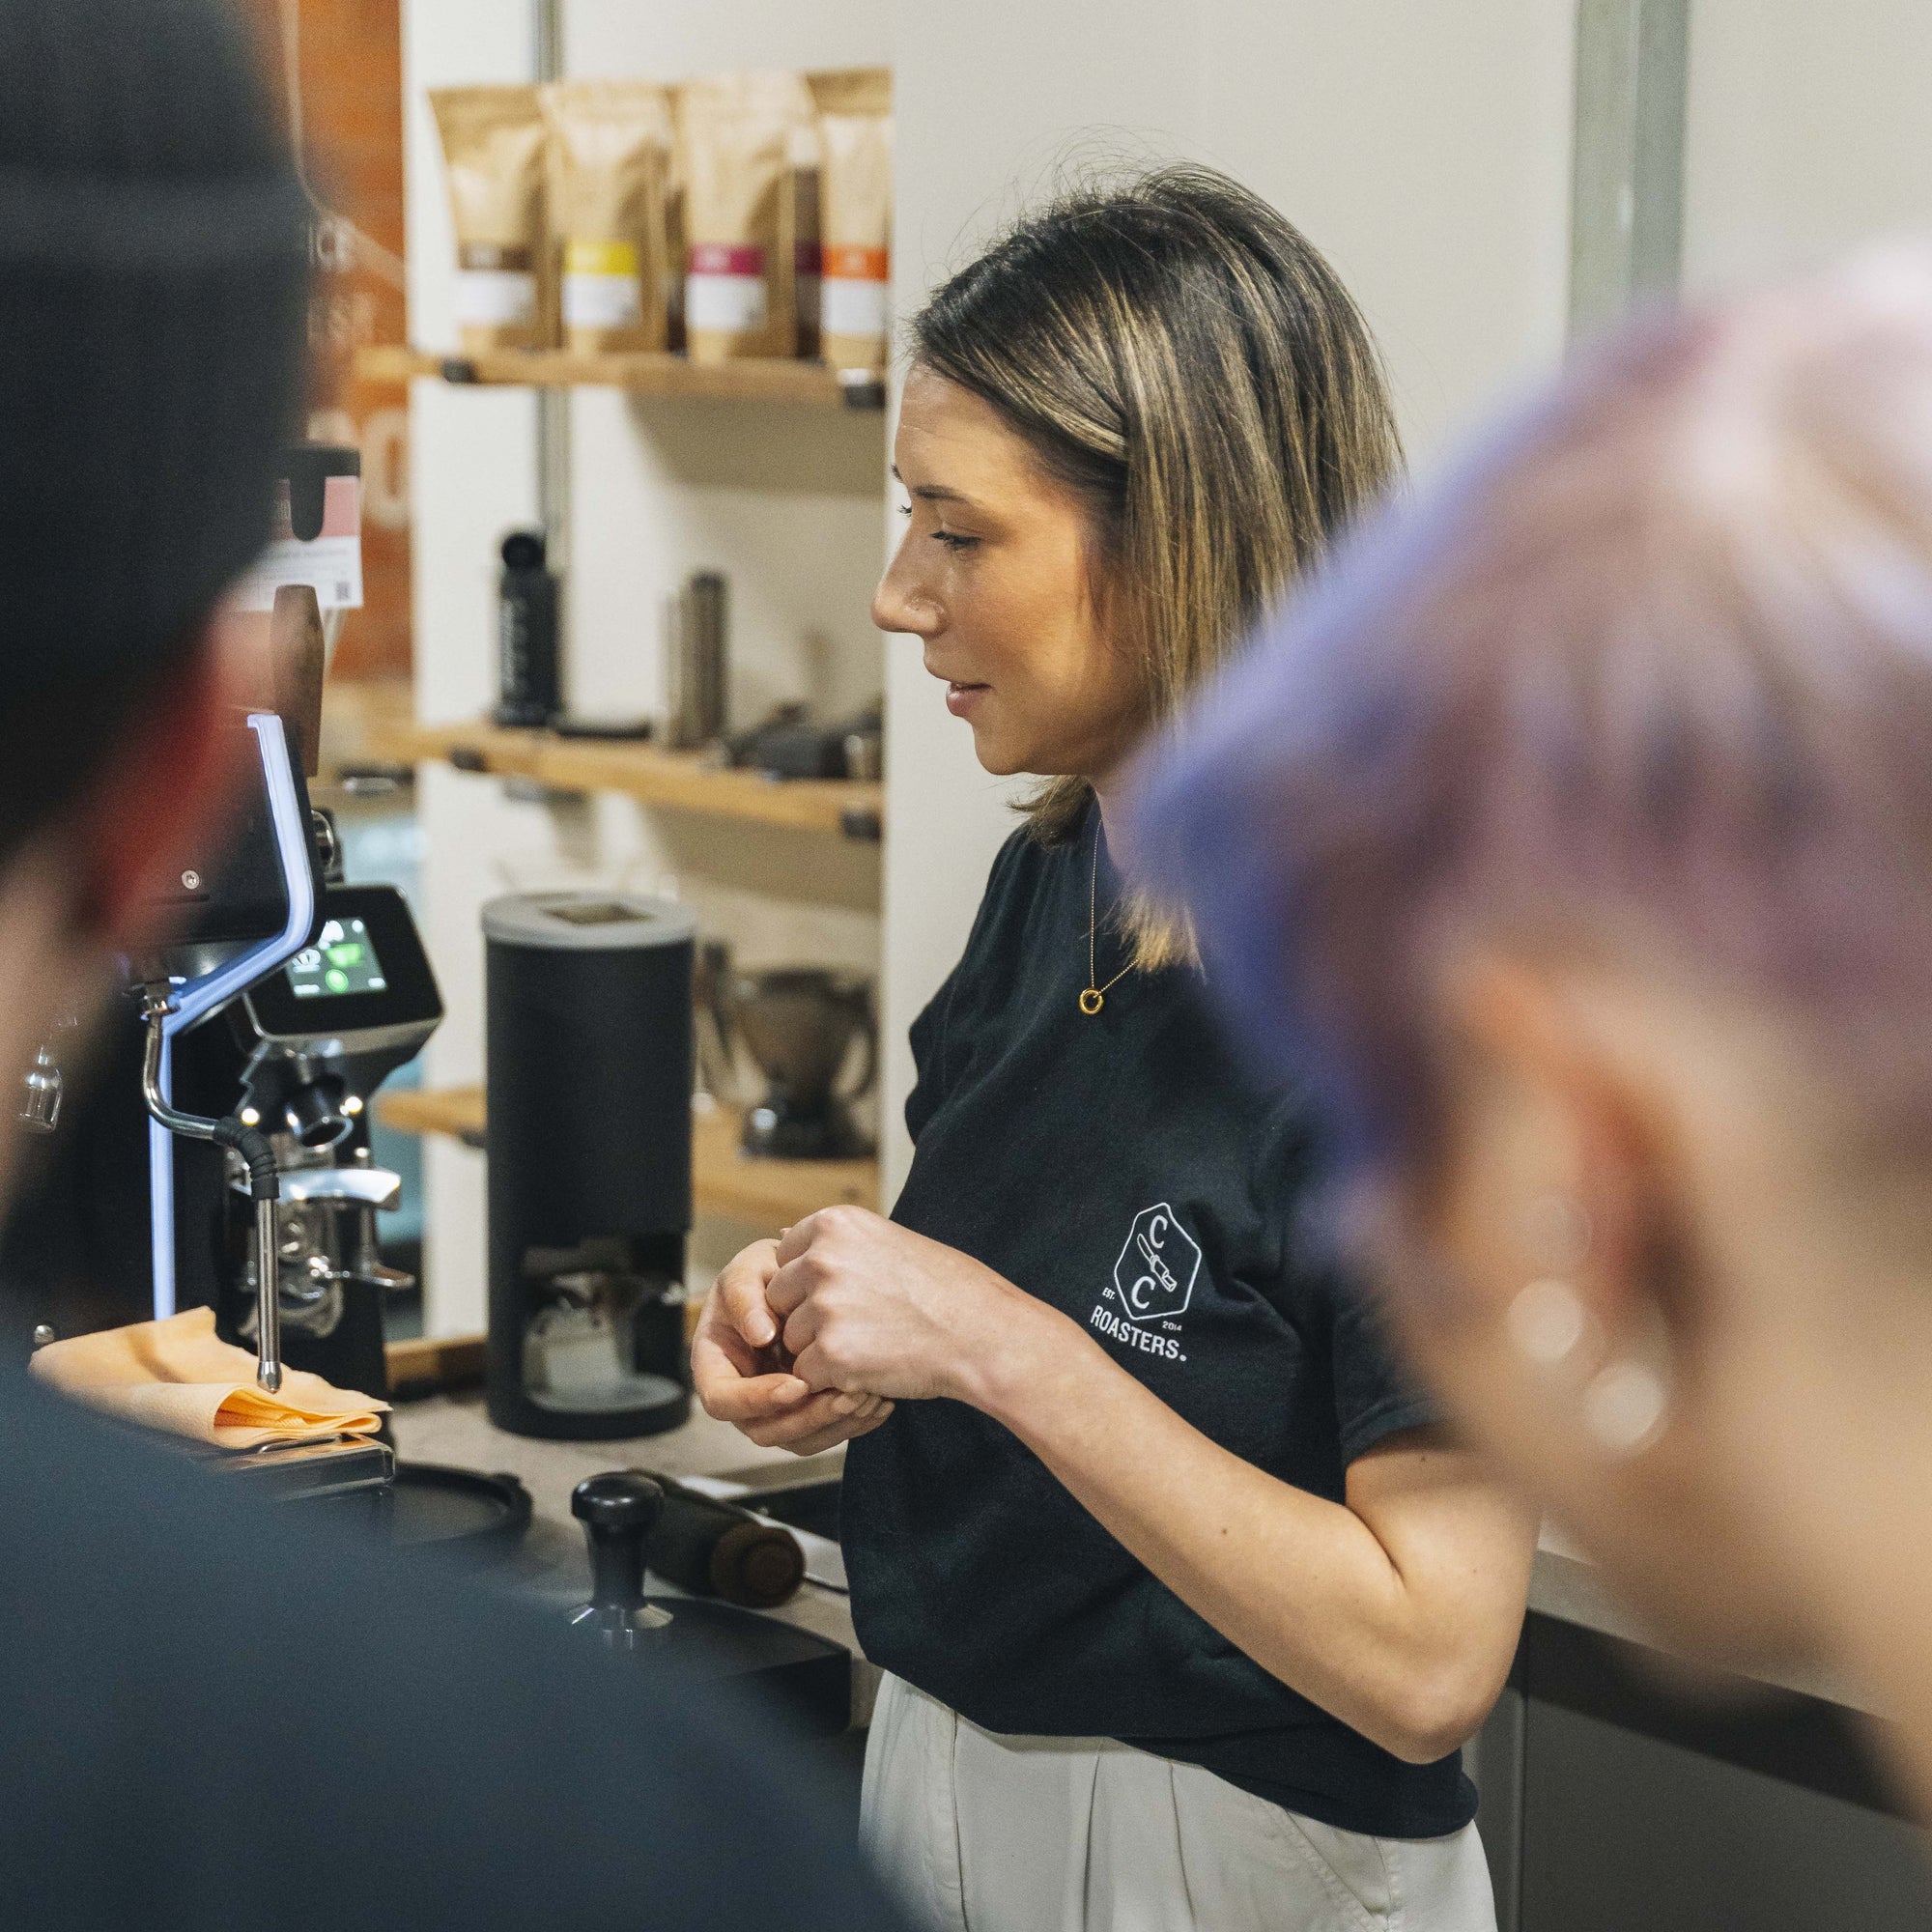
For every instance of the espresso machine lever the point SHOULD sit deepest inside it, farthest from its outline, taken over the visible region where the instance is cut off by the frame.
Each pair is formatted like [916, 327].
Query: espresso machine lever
[157, 1005]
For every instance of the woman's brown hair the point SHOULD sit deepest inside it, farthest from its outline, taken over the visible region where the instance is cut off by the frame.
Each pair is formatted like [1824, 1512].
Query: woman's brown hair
[1181, 356]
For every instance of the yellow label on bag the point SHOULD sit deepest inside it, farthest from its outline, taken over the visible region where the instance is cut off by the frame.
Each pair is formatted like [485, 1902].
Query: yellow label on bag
[600, 258]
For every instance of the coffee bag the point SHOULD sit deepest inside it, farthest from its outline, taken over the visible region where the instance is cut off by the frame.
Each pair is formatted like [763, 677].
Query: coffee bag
[854, 130]
[610, 144]
[494, 146]
[739, 135]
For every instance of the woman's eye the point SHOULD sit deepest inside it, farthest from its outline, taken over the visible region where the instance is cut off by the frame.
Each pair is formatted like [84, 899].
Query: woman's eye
[906, 509]
[953, 540]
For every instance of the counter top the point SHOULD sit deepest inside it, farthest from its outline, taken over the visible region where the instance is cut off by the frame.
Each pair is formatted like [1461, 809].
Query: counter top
[1563, 1583]
[1566, 1583]
[456, 1430]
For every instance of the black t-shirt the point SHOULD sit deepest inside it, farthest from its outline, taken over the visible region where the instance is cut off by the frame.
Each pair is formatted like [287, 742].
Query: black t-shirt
[1120, 1167]
[218, 1712]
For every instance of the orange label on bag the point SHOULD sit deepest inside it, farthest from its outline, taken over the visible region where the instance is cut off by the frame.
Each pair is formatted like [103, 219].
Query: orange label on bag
[846, 264]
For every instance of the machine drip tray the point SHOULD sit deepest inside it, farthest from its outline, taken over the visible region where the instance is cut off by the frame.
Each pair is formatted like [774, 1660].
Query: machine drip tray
[625, 1392]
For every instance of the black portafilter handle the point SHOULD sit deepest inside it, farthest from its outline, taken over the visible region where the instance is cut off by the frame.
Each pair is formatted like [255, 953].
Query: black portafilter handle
[616, 1509]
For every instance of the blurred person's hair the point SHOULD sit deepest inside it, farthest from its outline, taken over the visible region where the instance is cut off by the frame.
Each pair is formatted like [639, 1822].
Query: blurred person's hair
[1181, 357]
[153, 279]
[1652, 675]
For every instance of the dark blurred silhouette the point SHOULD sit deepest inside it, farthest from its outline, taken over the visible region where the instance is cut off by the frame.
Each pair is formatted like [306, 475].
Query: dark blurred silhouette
[216, 1711]
[1576, 835]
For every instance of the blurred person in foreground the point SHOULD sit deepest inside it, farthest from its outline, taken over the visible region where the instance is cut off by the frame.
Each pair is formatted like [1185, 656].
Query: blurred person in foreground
[216, 1711]
[1576, 833]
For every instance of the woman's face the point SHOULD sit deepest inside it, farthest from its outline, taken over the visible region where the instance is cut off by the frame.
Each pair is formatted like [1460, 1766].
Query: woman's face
[993, 578]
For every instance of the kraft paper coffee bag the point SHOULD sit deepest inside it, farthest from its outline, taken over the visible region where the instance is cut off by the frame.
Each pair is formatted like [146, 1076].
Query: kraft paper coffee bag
[610, 144]
[739, 135]
[493, 143]
[855, 202]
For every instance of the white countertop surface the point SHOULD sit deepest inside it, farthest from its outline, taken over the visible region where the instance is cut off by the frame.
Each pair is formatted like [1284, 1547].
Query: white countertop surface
[1566, 1583]
[455, 1429]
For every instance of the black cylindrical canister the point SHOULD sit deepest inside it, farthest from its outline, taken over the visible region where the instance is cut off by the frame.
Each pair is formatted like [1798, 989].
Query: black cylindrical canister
[529, 691]
[714, 1549]
[589, 1045]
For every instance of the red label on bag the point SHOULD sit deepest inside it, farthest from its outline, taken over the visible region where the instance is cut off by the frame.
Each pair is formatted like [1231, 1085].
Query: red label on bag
[727, 258]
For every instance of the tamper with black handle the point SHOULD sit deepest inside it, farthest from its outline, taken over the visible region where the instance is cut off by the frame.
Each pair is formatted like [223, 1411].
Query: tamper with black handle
[625, 1515]
[617, 1510]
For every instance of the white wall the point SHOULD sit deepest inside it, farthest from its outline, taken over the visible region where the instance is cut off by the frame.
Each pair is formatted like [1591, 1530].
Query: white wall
[1808, 131]
[784, 502]
[1425, 148]
[473, 474]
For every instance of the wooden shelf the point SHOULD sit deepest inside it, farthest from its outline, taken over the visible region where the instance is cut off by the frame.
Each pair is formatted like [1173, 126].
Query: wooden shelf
[681, 780]
[764, 382]
[457, 1111]
[769, 1194]
[430, 1363]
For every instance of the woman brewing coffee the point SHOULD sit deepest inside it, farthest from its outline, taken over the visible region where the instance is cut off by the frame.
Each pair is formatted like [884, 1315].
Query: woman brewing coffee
[1186, 1605]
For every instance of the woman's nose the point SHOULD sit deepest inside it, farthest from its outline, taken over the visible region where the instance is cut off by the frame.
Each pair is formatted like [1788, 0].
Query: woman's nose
[901, 603]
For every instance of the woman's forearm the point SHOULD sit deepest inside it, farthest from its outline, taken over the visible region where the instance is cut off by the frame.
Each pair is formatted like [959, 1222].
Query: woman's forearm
[1407, 1643]
[1397, 1610]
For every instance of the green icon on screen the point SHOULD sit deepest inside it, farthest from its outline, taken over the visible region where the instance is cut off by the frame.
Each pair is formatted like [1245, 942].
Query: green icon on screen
[335, 980]
[349, 954]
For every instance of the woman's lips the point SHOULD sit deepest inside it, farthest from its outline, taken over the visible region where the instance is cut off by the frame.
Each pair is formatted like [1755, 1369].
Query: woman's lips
[963, 699]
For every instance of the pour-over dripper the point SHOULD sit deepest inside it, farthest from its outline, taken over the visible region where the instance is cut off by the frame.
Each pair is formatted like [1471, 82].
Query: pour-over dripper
[798, 1023]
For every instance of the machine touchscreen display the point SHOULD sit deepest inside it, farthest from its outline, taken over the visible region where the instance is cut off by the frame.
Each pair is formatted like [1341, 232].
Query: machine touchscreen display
[343, 961]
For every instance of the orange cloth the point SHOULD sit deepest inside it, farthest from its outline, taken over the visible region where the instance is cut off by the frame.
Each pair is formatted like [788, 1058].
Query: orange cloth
[178, 1377]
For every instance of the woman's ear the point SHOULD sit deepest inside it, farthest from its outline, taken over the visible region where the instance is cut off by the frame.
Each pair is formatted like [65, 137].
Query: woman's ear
[1554, 1198]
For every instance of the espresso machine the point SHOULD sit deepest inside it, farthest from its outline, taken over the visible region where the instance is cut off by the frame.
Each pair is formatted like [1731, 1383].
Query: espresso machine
[210, 1147]
[224, 1115]
[308, 1046]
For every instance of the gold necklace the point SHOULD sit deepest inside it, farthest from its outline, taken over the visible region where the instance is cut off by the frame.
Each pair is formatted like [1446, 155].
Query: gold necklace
[1093, 998]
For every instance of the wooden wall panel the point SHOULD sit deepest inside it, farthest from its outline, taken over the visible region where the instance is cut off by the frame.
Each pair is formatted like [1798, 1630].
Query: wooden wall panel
[345, 59]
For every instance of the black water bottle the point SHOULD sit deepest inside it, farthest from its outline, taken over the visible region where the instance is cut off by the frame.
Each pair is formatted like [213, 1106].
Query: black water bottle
[526, 634]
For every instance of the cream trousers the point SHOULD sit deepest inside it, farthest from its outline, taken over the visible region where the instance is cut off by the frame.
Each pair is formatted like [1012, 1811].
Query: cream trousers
[979, 1833]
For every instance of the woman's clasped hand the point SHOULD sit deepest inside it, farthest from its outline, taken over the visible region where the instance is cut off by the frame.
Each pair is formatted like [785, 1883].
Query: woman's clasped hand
[808, 1340]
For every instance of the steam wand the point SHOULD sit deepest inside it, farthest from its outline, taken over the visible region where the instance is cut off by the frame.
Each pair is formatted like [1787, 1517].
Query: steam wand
[263, 1184]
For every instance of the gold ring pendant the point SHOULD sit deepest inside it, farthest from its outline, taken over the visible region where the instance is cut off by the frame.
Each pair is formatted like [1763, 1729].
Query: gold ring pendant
[1092, 1001]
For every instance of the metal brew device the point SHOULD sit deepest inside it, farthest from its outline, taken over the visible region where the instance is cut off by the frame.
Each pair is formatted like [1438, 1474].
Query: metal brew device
[270, 1004]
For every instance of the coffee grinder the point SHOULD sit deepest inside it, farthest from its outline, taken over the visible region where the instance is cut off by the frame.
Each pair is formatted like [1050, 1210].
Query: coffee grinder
[589, 1084]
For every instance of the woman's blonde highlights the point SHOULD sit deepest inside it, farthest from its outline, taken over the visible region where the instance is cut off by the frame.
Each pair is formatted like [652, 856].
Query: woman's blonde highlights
[1180, 357]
